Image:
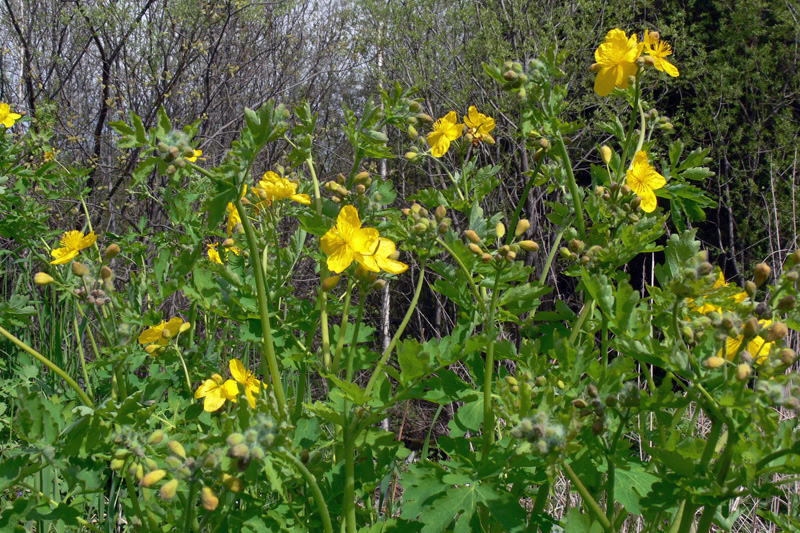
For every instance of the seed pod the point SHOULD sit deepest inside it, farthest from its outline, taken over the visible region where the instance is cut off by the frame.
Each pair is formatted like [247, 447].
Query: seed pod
[169, 489]
[209, 499]
[42, 279]
[152, 478]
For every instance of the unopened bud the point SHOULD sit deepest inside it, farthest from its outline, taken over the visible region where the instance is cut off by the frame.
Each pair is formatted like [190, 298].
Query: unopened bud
[510, 75]
[580, 403]
[156, 437]
[787, 356]
[751, 327]
[714, 362]
[240, 450]
[169, 489]
[522, 226]
[776, 332]
[411, 155]
[576, 246]
[475, 249]
[412, 133]
[743, 371]
[106, 273]
[117, 464]
[424, 117]
[233, 484]
[152, 478]
[705, 268]
[209, 499]
[500, 230]
[472, 236]
[631, 80]
[654, 36]
[440, 213]
[177, 448]
[787, 303]
[361, 176]
[42, 279]
[529, 246]
[510, 256]
[761, 274]
[606, 154]
[166, 334]
[79, 269]
[595, 67]
[328, 284]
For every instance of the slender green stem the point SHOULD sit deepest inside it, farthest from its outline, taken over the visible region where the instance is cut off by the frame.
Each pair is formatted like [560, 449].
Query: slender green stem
[538, 505]
[610, 499]
[353, 345]
[475, 292]
[322, 506]
[349, 502]
[643, 126]
[447, 171]
[488, 372]
[188, 510]
[82, 357]
[185, 371]
[588, 309]
[388, 351]
[268, 346]
[629, 136]
[132, 494]
[85, 400]
[551, 256]
[50, 501]
[337, 357]
[524, 196]
[590, 502]
[572, 185]
[689, 508]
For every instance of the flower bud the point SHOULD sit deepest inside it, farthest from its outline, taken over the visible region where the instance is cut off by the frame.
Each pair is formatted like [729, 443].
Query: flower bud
[361, 176]
[176, 448]
[743, 371]
[209, 499]
[631, 80]
[529, 246]
[580, 403]
[106, 273]
[606, 154]
[510, 256]
[510, 75]
[475, 249]
[714, 362]
[472, 236]
[150, 348]
[776, 332]
[169, 489]
[750, 288]
[414, 106]
[787, 303]
[42, 279]
[174, 462]
[241, 450]
[500, 230]
[486, 258]
[522, 226]
[423, 117]
[79, 269]
[440, 213]
[328, 284]
[411, 155]
[233, 484]
[117, 464]
[761, 274]
[156, 437]
[787, 356]
[751, 327]
[595, 68]
[576, 246]
[152, 478]
[705, 268]
[412, 133]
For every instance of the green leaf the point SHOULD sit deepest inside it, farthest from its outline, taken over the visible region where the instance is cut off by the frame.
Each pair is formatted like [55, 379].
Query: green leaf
[413, 361]
[630, 486]
[575, 522]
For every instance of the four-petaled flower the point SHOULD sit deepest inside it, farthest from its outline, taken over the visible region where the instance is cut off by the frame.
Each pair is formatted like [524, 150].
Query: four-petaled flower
[347, 241]
[156, 333]
[658, 50]
[193, 158]
[479, 126]
[445, 130]
[71, 243]
[216, 392]
[7, 118]
[758, 347]
[213, 254]
[273, 187]
[709, 307]
[246, 378]
[233, 214]
[643, 179]
[616, 59]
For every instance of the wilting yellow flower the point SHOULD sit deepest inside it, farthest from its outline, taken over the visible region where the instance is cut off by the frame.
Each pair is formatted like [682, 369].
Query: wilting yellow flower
[193, 159]
[643, 179]
[275, 187]
[479, 126]
[213, 254]
[758, 347]
[380, 259]
[658, 50]
[156, 333]
[707, 308]
[616, 59]
[347, 240]
[445, 130]
[7, 118]
[216, 392]
[246, 378]
[71, 243]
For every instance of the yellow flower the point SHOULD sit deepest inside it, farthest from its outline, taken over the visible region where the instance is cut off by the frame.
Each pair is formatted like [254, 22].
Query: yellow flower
[479, 126]
[658, 50]
[216, 392]
[347, 241]
[616, 59]
[72, 242]
[707, 308]
[156, 333]
[233, 214]
[7, 118]
[758, 347]
[246, 378]
[213, 254]
[193, 159]
[380, 259]
[643, 179]
[275, 187]
[445, 130]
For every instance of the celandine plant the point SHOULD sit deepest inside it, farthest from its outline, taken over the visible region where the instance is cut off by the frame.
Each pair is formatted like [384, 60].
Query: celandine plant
[255, 402]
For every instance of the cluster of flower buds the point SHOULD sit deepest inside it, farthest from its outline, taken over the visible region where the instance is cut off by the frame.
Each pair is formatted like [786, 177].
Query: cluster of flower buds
[252, 443]
[424, 228]
[595, 408]
[175, 151]
[545, 434]
[619, 201]
[500, 251]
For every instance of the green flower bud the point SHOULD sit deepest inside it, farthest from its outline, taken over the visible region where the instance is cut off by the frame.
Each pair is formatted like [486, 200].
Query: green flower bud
[209, 499]
[117, 464]
[776, 332]
[152, 478]
[751, 327]
[240, 451]
[43, 279]
[174, 462]
[79, 269]
[529, 246]
[176, 447]
[169, 489]
[761, 273]
[787, 303]
[412, 133]
[486, 258]
[156, 437]
[743, 372]
[475, 249]
[606, 154]
[522, 226]
[750, 288]
[472, 236]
